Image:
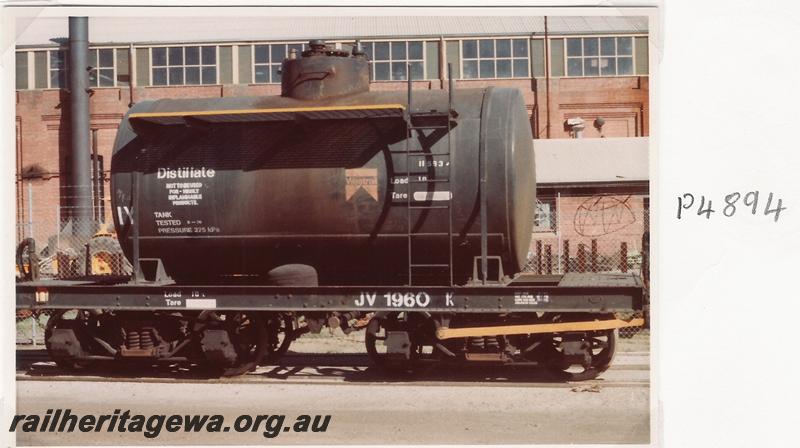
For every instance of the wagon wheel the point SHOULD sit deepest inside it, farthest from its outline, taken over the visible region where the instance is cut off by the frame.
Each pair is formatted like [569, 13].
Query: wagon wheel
[550, 356]
[248, 334]
[280, 334]
[64, 319]
[603, 347]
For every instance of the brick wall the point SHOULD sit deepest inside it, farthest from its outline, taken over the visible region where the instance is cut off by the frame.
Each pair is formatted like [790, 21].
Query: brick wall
[602, 220]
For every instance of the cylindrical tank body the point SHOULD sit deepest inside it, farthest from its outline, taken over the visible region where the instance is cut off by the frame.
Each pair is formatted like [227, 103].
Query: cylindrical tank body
[240, 198]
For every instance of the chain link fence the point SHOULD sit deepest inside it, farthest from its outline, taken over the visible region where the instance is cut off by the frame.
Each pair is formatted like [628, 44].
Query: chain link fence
[67, 241]
[594, 233]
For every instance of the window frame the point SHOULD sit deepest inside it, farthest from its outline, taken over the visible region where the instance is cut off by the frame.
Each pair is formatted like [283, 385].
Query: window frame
[29, 69]
[391, 60]
[50, 69]
[96, 67]
[494, 58]
[32, 50]
[338, 43]
[253, 63]
[599, 50]
[200, 66]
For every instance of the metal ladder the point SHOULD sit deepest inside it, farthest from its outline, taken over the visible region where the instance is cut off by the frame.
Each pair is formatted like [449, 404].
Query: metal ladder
[421, 155]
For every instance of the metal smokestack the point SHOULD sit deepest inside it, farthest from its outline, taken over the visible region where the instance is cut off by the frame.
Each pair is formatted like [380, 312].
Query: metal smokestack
[80, 180]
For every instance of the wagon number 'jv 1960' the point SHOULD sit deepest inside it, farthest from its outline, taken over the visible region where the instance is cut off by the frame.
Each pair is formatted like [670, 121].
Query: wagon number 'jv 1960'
[396, 299]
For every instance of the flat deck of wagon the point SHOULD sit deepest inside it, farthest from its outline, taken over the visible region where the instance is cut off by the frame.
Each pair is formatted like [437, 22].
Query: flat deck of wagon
[583, 292]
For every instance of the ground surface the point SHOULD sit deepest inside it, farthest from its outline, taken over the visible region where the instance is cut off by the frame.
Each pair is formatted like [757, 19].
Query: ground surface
[464, 405]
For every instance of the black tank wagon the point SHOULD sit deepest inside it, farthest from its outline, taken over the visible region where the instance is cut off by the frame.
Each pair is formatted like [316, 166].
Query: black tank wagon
[250, 221]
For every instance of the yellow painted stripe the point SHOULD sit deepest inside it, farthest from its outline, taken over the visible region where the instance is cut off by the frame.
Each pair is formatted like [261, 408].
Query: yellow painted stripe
[263, 111]
[597, 325]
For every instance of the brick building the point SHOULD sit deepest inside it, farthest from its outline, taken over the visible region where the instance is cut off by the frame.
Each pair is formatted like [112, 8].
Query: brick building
[580, 76]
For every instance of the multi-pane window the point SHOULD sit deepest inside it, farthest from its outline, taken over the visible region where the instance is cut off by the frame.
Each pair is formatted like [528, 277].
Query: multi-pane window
[58, 68]
[21, 66]
[495, 58]
[184, 65]
[390, 61]
[102, 63]
[267, 60]
[600, 56]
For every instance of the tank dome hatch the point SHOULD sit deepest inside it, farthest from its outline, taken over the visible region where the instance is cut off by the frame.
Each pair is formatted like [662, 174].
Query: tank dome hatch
[325, 72]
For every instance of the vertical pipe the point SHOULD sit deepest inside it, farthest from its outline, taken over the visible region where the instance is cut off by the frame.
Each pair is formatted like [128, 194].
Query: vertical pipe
[581, 257]
[80, 175]
[449, 90]
[547, 73]
[452, 160]
[97, 182]
[409, 132]
[593, 256]
[20, 185]
[443, 64]
[30, 210]
[566, 256]
[558, 227]
[132, 74]
[410, 86]
[482, 177]
[135, 272]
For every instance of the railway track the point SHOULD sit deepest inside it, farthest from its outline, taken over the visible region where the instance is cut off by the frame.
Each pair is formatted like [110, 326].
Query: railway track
[631, 370]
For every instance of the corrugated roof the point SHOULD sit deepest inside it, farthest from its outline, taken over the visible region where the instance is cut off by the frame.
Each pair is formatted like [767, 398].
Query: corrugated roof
[593, 24]
[591, 160]
[47, 30]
